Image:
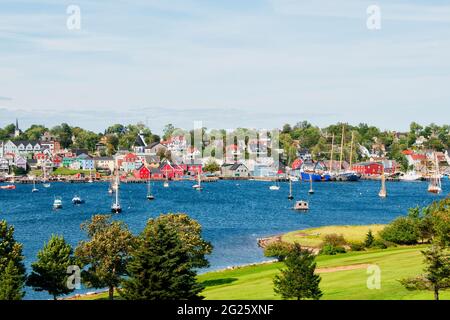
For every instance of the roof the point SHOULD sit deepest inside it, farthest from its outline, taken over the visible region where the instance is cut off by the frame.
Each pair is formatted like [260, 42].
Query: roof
[154, 144]
[418, 156]
[77, 152]
[103, 158]
[139, 141]
[25, 142]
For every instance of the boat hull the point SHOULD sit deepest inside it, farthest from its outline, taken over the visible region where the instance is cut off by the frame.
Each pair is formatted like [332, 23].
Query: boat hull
[316, 177]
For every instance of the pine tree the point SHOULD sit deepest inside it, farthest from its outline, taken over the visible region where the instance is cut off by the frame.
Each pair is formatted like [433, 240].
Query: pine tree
[368, 242]
[50, 270]
[298, 279]
[11, 283]
[12, 269]
[160, 267]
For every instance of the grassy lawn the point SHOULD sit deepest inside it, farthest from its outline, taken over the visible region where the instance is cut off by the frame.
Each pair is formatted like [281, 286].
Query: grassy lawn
[70, 172]
[256, 282]
[313, 237]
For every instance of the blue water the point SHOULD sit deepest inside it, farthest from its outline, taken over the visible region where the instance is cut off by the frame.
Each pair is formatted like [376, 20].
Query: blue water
[233, 213]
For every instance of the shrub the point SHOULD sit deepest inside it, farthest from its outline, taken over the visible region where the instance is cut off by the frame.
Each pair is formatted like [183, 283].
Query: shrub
[335, 240]
[403, 230]
[368, 242]
[357, 246]
[331, 250]
[278, 250]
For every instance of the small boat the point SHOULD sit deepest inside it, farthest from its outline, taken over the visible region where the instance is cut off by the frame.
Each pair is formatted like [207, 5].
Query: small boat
[435, 185]
[383, 192]
[116, 208]
[77, 200]
[311, 190]
[410, 176]
[166, 184]
[57, 204]
[150, 196]
[198, 186]
[290, 196]
[8, 187]
[301, 206]
[275, 187]
[46, 185]
[34, 187]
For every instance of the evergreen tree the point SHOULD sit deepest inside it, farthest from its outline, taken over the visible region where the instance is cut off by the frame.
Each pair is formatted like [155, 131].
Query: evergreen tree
[106, 253]
[12, 282]
[50, 270]
[160, 268]
[12, 269]
[437, 272]
[298, 279]
[368, 242]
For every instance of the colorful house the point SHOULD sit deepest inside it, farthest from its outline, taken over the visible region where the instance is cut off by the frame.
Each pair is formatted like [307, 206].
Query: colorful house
[368, 168]
[129, 162]
[86, 162]
[143, 173]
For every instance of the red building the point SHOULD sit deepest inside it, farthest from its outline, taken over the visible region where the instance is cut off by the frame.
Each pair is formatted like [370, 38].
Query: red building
[156, 174]
[368, 168]
[143, 173]
[172, 172]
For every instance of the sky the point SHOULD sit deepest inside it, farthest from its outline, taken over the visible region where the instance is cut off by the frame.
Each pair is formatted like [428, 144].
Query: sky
[227, 63]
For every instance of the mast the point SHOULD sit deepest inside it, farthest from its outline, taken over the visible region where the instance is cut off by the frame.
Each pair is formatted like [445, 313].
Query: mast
[342, 148]
[332, 153]
[351, 149]
[383, 192]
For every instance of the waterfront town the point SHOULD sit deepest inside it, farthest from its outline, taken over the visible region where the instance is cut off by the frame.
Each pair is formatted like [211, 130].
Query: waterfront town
[302, 152]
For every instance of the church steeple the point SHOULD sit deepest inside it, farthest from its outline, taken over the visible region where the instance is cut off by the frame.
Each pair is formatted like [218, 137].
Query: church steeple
[17, 131]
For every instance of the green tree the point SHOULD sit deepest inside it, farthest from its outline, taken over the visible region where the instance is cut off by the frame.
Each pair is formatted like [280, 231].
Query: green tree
[190, 233]
[50, 270]
[278, 250]
[298, 280]
[368, 242]
[211, 166]
[161, 267]
[12, 269]
[106, 253]
[437, 272]
[11, 283]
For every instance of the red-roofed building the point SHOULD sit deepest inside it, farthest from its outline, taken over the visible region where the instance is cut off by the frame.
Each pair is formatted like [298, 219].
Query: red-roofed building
[368, 168]
[143, 173]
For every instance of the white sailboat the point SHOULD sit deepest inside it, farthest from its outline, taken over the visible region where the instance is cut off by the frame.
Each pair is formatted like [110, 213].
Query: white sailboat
[435, 185]
[150, 196]
[44, 182]
[275, 187]
[57, 203]
[116, 208]
[290, 196]
[311, 190]
[383, 191]
[198, 185]
[34, 186]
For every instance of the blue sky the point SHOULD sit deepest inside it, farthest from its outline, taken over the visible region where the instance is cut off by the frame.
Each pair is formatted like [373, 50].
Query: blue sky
[227, 63]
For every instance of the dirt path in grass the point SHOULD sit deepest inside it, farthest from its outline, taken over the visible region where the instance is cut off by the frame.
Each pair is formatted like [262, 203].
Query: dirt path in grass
[342, 268]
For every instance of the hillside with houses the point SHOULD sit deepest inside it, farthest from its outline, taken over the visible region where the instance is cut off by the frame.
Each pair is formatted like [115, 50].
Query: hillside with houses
[65, 152]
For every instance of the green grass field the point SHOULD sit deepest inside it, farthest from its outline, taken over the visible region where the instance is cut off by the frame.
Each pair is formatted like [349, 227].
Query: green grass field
[313, 237]
[256, 282]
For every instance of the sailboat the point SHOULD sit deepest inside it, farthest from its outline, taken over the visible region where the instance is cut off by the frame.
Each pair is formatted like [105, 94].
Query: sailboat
[383, 192]
[44, 182]
[77, 200]
[311, 190]
[290, 196]
[57, 203]
[116, 208]
[435, 185]
[34, 186]
[275, 187]
[150, 196]
[90, 176]
[347, 175]
[198, 186]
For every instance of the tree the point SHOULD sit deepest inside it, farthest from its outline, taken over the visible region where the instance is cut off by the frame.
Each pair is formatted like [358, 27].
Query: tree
[190, 233]
[278, 250]
[168, 131]
[50, 270]
[211, 166]
[12, 269]
[106, 253]
[11, 283]
[437, 272]
[298, 279]
[402, 230]
[161, 267]
[368, 242]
